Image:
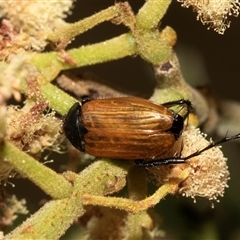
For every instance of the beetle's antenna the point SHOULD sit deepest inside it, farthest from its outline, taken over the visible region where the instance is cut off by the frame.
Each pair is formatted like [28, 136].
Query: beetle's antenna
[211, 145]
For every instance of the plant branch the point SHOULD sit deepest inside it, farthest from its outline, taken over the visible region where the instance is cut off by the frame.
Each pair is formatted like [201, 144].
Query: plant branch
[140, 205]
[102, 177]
[50, 64]
[65, 34]
[49, 181]
[151, 13]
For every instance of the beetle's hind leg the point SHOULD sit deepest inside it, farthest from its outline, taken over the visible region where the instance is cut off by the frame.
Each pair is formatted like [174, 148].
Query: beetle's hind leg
[164, 161]
[183, 103]
[178, 102]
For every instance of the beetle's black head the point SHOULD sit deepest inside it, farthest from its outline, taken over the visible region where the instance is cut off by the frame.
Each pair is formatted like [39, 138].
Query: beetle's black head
[73, 128]
[177, 126]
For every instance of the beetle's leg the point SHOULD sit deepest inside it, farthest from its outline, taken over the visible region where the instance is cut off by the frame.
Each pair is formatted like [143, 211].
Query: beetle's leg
[164, 161]
[180, 102]
[177, 160]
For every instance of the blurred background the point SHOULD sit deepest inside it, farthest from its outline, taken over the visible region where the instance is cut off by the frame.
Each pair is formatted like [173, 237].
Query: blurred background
[206, 58]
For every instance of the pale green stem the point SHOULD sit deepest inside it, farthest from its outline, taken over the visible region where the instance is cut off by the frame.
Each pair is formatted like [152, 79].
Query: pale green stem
[49, 64]
[58, 100]
[137, 188]
[49, 181]
[70, 31]
[151, 13]
[51, 221]
[55, 217]
[140, 205]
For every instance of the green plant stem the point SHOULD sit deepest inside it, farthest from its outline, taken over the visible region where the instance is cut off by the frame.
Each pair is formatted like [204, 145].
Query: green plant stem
[137, 188]
[49, 64]
[137, 183]
[58, 100]
[49, 181]
[55, 217]
[151, 47]
[144, 40]
[51, 221]
[68, 32]
[171, 85]
[151, 13]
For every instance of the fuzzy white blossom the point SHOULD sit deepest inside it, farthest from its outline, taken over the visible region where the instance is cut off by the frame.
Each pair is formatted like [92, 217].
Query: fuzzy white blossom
[214, 13]
[208, 172]
[35, 18]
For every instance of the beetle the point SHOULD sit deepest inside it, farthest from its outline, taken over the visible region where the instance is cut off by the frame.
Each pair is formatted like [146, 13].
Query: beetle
[125, 127]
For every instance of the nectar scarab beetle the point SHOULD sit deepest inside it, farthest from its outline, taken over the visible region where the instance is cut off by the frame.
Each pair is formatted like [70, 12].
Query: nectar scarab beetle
[125, 127]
